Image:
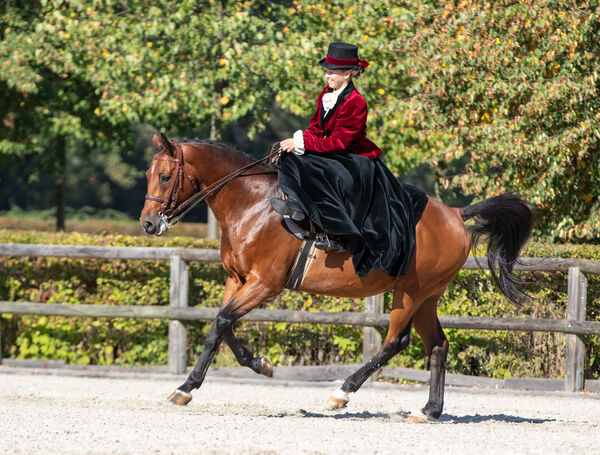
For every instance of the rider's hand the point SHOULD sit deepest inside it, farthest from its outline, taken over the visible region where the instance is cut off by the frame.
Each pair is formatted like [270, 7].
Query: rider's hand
[287, 145]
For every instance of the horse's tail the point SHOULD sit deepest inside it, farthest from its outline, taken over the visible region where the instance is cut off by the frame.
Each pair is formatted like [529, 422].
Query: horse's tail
[506, 221]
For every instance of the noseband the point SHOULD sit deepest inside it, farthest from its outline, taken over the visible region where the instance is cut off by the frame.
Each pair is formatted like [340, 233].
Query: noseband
[170, 205]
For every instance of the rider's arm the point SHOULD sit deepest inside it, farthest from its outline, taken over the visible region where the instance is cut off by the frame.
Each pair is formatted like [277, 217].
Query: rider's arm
[314, 128]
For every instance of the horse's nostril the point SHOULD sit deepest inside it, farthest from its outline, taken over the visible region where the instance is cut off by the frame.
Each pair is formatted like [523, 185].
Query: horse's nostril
[148, 227]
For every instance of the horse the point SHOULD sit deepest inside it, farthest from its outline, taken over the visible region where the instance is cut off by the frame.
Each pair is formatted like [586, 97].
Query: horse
[258, 255]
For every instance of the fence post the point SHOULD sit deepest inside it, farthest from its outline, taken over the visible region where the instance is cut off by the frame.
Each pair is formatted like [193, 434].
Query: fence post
[577, 295]
[178, 297]
[371, 338]
[212, 226]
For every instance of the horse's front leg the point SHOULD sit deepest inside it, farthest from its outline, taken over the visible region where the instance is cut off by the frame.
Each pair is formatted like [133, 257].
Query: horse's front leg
[236, 303]
[182, 395]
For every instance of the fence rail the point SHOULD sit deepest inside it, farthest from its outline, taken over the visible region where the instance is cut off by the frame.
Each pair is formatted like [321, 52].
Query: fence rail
[574, 326]
[294, 316]
[210, 255]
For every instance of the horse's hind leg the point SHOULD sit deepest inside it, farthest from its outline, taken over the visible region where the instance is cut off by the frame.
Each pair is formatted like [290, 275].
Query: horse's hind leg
[245, 358]
[397, 339]
[428, 327]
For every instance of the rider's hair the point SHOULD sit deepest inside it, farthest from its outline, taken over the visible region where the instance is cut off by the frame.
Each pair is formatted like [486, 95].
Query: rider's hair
[357, 72]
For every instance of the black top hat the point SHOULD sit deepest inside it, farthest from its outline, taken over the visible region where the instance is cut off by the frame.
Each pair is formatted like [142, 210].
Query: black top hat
[342, 56]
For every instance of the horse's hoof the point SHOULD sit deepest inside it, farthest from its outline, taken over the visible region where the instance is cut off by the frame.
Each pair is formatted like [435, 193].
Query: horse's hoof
[179, 397]
[266, 367]
[338, 400]
[335, 403]
[418, 417]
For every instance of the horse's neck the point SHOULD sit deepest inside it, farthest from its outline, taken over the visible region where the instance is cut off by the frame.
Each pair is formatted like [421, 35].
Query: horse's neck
[214, 163]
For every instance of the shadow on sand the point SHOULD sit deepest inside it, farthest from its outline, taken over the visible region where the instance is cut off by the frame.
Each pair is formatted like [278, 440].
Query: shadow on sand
[444, 419]
[478, 418]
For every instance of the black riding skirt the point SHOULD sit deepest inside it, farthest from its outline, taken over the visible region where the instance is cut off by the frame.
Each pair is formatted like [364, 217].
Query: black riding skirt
[359, 200]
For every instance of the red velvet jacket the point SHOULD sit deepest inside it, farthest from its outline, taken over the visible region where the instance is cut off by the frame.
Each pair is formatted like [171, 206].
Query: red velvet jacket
[344, 130]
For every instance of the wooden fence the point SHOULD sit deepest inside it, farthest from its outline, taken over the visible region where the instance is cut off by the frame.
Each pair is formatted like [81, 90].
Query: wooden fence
[575, 326]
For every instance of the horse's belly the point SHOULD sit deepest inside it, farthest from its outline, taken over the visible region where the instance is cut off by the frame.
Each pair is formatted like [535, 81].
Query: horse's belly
[334, 274]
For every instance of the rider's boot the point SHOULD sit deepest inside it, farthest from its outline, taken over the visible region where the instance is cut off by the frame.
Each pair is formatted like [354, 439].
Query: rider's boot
[288, 207]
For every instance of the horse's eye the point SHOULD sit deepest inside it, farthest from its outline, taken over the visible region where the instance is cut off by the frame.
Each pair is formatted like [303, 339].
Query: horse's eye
[164, 178]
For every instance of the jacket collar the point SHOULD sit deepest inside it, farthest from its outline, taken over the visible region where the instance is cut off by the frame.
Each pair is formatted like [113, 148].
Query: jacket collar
[345, 93]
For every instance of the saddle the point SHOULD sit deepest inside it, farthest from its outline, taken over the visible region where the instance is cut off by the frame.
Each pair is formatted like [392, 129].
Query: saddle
[294, 219]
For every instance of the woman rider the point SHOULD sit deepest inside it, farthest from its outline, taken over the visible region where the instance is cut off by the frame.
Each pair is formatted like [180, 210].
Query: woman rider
[332, 173]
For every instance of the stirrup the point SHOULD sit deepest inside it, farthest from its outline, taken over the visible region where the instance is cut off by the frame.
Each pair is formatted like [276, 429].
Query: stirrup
[295, 229]
[329, 245]
[287, 208]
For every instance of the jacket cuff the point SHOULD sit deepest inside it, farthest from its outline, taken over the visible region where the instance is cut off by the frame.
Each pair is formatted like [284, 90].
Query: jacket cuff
[299, 142]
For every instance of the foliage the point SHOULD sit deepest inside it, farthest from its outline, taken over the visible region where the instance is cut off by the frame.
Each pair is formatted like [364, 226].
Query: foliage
[514, 85]
[132, 342]
[104, 222]
[164, 63]
[48, 110]
[491, 96]
[128, 341]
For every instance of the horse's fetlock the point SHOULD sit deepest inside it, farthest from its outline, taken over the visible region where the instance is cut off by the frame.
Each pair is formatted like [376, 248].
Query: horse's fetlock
[432, 410]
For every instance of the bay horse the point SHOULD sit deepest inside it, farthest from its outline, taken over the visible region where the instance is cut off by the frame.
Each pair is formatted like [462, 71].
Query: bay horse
[258, 255]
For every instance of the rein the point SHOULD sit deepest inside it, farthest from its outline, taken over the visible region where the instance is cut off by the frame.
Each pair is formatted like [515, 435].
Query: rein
[170, 207]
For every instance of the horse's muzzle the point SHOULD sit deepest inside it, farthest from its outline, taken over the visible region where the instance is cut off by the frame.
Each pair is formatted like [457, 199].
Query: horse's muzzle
[154, 227]
[149, 227]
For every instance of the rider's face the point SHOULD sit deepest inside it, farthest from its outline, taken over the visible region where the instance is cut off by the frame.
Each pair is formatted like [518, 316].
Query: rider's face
[337, 78]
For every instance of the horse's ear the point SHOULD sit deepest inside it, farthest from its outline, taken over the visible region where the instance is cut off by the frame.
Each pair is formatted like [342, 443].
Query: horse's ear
[161, 143]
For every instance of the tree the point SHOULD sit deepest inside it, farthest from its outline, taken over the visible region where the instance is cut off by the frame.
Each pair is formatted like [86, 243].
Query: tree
[81, 75]
[511, 87]
[493, 96]
[48, 106]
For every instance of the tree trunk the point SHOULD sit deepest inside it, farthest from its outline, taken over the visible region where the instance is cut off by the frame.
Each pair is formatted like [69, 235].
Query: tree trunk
[61, 178]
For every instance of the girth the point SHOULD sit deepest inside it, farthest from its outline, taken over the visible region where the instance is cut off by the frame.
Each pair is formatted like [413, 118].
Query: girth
[306, 254]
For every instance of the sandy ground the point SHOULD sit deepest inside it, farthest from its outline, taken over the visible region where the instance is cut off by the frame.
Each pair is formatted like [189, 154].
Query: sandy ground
[68, 415]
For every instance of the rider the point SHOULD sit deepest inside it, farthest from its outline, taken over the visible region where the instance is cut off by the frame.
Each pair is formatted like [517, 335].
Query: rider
[339, 124]
[332, 173]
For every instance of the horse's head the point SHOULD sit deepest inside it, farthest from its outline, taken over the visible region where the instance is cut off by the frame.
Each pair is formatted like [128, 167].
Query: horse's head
[168, 186]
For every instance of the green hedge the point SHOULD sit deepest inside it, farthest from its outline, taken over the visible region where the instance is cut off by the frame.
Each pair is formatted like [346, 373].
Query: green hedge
[144, 342]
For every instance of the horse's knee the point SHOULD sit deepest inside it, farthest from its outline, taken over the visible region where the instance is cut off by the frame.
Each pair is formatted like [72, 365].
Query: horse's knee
[394, 346]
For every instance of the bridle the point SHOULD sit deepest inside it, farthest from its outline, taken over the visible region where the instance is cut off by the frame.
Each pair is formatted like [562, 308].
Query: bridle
[171, 206]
